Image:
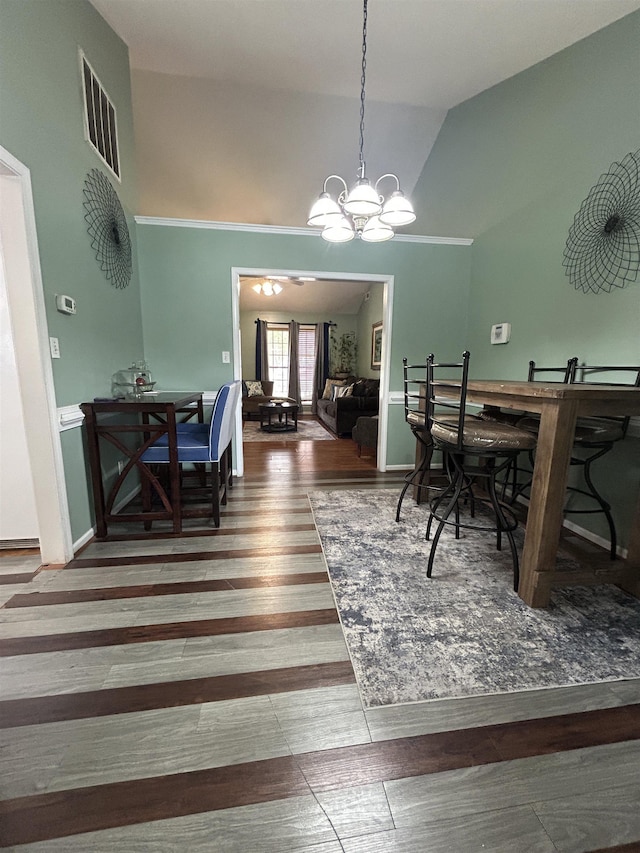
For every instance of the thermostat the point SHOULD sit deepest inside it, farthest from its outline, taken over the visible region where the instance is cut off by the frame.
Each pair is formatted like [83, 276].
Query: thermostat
[65, 304]
[500, 333]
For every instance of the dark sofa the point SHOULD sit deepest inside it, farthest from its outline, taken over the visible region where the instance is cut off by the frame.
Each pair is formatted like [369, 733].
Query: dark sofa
[341, 414]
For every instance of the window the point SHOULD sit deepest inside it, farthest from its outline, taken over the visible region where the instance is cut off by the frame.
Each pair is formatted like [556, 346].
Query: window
[278, 352]
[99, 119]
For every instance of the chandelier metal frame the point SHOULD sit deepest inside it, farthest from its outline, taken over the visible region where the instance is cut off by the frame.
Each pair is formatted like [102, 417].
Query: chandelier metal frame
[361, 210]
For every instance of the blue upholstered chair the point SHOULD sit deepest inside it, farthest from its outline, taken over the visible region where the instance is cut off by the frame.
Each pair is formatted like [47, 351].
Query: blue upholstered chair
[208, 444]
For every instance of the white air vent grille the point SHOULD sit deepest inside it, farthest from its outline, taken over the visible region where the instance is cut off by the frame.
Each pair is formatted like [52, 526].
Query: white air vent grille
[99, 119]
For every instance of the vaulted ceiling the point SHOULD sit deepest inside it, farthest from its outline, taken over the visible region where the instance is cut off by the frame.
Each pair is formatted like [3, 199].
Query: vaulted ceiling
[243, 107]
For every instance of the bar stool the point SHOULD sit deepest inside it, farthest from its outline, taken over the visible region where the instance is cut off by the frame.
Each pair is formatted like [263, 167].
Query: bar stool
[415, 415]
[478, 451]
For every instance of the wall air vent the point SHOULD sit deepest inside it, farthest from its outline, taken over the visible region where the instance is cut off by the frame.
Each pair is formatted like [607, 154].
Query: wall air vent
[100, 125]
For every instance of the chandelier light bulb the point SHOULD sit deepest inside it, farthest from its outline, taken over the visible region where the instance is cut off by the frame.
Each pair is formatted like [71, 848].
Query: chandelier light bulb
[376, 231]
[323, 208]
[397, 211]
[338, 231]
[363, 200]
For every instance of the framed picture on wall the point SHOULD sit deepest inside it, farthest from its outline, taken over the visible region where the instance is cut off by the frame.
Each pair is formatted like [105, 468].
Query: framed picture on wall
[376, 345]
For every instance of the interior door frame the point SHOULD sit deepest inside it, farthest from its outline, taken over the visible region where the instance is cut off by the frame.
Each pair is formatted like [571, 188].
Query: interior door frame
[25, 296]
[387, 319]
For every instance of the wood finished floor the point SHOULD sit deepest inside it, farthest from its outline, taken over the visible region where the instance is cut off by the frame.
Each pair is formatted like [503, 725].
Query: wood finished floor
[166, 693]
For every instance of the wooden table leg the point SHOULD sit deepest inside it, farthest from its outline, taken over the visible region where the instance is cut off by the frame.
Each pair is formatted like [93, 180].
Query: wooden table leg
[174, 471]
[545, 515]
[93, 447]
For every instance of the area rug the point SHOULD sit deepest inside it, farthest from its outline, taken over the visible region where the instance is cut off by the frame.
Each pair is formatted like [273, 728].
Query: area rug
[464, 632]
[307, 431]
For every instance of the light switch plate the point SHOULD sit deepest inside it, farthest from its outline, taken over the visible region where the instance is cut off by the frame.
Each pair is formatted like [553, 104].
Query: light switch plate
[500, 333]
[54, 346]
[226, 357]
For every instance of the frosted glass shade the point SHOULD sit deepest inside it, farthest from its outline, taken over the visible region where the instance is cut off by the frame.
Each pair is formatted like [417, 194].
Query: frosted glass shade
[397, 211]
[376, 231]
[363, 200]
[339, 230]
[323, 209]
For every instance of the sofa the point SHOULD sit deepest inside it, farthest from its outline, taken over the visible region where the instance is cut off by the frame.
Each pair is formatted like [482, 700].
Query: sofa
[253, 398]
[343, 401]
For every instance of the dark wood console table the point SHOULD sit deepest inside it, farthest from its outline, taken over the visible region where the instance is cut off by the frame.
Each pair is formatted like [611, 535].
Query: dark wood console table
[147, 418]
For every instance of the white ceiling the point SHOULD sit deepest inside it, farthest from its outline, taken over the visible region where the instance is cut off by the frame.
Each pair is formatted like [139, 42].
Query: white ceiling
[312, 297]
[431, 53]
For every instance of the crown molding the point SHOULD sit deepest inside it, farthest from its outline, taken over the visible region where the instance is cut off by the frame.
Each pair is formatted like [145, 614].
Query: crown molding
[284, 230]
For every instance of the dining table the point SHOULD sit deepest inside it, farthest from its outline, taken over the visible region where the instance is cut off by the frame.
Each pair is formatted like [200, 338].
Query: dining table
[559, 405]
[131, 425]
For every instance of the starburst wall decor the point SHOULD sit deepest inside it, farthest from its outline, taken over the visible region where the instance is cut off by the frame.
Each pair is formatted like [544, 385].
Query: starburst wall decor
[107, 228]
[603, 247]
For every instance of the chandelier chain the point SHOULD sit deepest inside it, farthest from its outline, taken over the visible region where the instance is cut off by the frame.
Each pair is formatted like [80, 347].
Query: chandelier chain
[362, 85]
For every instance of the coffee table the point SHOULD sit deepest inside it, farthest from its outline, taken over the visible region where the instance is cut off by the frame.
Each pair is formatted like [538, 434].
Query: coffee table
[279, 416]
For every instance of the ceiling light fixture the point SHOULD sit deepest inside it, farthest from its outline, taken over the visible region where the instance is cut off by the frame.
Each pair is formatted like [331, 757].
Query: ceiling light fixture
[267, 288]
[361, 210]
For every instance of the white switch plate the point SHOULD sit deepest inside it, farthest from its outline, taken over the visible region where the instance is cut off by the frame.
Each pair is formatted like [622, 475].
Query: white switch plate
[226, 357]
[54, 346]
[500, 333]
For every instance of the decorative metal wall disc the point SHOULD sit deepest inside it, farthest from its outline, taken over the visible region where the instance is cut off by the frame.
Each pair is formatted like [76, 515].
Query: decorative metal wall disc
[107, 228]
[603, 247]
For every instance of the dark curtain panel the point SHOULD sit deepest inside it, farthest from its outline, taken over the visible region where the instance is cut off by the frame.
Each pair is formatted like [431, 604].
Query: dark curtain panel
[294, 363]
[321, 371]
[262, 355]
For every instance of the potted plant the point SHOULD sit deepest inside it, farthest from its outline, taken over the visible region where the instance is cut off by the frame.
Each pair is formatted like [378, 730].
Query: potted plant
[344, 349]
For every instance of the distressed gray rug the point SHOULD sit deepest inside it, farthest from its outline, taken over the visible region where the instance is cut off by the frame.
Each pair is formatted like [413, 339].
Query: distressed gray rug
[308, 430]
[464, 632]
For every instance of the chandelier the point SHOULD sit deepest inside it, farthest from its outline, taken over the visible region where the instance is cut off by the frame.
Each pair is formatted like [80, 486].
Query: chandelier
[361, 210]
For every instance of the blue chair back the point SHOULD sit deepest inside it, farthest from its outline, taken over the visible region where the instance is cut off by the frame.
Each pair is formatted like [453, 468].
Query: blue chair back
[223, 419]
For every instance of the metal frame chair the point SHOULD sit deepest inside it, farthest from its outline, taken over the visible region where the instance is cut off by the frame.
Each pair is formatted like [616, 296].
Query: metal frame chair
[597, 436]
[478, 451]
[415, 414]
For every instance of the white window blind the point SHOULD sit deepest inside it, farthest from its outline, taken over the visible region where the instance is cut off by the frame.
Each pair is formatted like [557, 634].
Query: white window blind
[306, 360]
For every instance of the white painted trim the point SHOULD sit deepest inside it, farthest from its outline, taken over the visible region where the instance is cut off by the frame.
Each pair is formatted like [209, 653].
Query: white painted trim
[70, 417]
[288, 230]
[31, 337]
[84, 539]
[387, 317]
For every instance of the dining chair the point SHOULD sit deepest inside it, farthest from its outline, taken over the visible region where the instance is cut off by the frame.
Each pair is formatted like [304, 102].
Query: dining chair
[597, 436]
[415, 415]
[478, 451]
[562, 373]
[208, 444]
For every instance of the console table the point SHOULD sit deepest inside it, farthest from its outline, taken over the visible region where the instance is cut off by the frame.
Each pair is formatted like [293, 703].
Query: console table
[145, 419]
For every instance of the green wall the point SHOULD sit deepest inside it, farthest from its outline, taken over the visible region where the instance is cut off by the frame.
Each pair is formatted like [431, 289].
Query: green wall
[370, 313]
[511, 168]
[187, 293]
[41, 125]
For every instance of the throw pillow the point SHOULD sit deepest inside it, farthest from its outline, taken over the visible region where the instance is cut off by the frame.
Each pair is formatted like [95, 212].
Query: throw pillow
[341, 391]
[254, 389]
[328, 385]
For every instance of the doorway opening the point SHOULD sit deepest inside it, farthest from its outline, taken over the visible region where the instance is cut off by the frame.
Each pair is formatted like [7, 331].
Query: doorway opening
[314, 296]
[34, 388]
